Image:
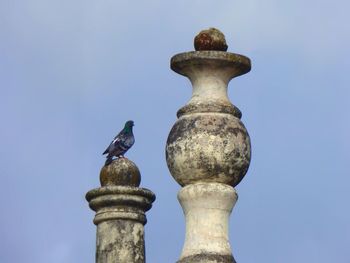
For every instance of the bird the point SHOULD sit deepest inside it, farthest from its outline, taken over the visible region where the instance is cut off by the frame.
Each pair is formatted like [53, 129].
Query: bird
[121, 143]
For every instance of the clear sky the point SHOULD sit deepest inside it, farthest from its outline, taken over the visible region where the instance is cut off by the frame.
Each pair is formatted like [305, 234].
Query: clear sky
[72, 72]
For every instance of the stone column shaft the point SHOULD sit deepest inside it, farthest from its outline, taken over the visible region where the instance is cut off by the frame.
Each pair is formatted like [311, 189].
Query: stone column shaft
[113, 245]
[207, 207]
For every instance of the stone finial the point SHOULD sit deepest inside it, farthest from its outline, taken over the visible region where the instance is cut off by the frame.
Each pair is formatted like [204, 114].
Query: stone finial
[209, 143]
[121, 171]
[210, 39]
[120, 206]
[208, 148]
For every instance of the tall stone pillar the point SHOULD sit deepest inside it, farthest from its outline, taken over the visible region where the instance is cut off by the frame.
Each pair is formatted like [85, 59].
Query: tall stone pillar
[120, 207]
[208, 148]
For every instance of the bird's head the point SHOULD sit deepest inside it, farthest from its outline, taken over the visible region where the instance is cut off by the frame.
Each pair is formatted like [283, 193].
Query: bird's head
[128, 126]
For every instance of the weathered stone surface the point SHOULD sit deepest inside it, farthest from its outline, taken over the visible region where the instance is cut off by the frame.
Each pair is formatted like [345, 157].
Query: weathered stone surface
[120, 202]
[208, 148]
[208, 258]
[121, 171]
[120, 217]
[210, 39]
[120, 241]
[209, 143]
[207, 207]
[210, 107]
[230, 64]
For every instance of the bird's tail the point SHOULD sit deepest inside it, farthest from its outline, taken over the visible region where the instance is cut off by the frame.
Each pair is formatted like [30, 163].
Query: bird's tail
[108, 161]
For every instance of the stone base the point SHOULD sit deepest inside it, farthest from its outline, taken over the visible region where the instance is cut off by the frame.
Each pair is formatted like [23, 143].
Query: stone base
[207, 207]
[208, 258]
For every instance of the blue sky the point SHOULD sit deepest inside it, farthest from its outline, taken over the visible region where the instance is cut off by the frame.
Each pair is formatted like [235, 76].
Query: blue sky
[72, 72]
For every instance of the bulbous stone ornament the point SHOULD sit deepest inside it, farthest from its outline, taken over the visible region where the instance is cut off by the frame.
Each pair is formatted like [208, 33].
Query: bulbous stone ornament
[120, 171]
[210, 39]
[208, 142]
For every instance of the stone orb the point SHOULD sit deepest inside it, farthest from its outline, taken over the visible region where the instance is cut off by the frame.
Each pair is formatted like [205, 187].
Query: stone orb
[208, 147]
[210, 39]
[121, 171]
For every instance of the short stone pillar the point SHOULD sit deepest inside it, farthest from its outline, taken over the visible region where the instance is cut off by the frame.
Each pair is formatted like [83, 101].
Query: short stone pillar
[208, 148]
[120, 207]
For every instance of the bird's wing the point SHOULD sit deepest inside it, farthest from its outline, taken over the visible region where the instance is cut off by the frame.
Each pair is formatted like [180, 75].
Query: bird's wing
[129, 141]
[114, 142]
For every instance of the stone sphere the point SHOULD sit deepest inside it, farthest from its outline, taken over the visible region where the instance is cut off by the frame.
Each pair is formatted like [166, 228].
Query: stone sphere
[208, 147]
[121, 171]
[210, 39]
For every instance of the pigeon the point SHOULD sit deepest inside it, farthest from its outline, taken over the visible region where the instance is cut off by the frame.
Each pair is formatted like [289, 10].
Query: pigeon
[121, 143]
